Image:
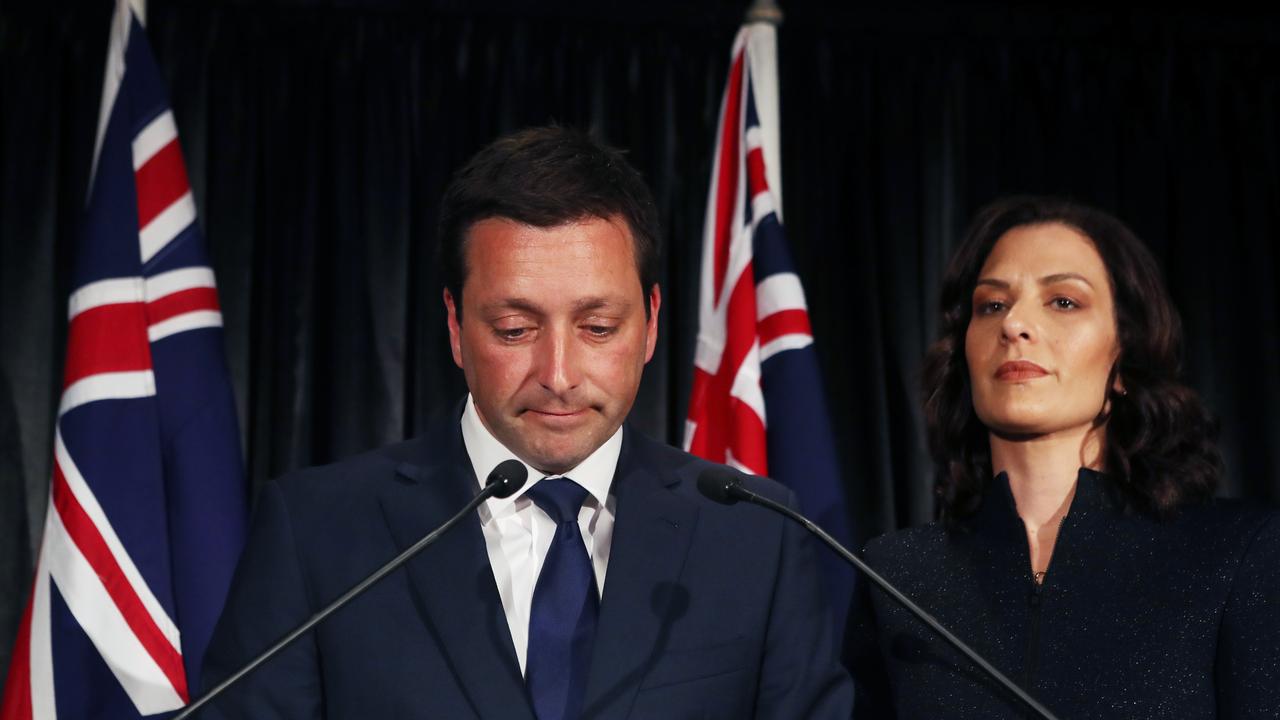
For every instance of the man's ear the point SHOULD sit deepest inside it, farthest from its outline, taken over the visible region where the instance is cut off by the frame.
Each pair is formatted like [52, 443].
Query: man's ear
[455, 327]
[651, 331]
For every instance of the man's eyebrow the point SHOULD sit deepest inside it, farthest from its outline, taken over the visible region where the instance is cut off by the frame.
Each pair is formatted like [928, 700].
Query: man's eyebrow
[600, 303]
[516, 303]
[519, 304]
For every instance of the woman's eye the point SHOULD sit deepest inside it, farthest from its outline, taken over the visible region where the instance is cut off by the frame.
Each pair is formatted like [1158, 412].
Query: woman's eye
[1064, 303]
[988, 307]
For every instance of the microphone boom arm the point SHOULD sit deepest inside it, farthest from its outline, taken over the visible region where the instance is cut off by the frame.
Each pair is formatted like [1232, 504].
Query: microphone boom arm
[489, 490]
[736, 489]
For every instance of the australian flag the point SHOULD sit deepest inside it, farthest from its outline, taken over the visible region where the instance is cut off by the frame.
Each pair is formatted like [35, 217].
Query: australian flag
[757, 402]
[148, 502]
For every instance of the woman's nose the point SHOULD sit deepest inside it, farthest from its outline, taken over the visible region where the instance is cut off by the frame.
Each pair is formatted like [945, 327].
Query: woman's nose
[1016, 326]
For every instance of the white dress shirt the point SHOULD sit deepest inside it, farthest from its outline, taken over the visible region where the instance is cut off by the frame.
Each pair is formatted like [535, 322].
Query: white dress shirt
[517, 533]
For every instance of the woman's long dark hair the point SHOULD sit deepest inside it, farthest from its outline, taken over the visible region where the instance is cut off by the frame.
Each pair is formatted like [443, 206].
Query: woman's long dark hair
[1159, 448]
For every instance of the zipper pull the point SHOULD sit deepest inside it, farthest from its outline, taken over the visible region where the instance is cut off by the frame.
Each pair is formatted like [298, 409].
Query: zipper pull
[1037, 588]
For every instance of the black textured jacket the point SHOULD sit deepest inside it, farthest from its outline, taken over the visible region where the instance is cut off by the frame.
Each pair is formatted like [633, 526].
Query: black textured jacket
[1135, 619]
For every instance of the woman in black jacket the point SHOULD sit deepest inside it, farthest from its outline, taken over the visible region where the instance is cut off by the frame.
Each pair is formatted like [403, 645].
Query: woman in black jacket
[1079, 549]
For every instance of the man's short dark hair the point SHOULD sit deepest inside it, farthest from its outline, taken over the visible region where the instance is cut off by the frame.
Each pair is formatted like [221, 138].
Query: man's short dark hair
[544, 177]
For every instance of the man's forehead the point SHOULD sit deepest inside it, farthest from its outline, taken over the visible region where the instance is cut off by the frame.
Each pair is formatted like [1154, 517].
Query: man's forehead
[607, 241]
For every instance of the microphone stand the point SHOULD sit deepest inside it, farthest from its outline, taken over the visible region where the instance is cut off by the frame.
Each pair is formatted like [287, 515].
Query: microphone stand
[735, 490]
[491, 489]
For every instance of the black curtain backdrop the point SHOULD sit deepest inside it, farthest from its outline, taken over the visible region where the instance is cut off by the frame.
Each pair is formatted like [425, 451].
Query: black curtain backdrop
[319, 137]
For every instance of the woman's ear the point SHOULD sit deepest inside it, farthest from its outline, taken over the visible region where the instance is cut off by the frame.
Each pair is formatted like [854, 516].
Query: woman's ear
[1116, 382]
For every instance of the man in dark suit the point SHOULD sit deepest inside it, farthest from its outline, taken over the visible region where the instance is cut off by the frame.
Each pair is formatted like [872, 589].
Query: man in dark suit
[608, 587]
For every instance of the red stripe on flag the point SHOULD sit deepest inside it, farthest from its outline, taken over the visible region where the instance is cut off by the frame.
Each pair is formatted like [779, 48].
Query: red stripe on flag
[714, 411]
[749, 442]
[183, 301]
[17, 686]
[784, 322]
[740, 327]
[85, 534]
[107, 338]
[161, 181]
[701, 411]
[757, 181]
[727, 174]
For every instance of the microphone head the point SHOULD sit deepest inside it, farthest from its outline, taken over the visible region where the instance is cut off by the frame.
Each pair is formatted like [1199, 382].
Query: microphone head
[509, 477]
[718, 484]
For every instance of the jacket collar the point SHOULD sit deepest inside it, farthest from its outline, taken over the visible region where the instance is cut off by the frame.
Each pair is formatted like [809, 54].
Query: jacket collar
[998, 511]
[451, 582]
[642, 594]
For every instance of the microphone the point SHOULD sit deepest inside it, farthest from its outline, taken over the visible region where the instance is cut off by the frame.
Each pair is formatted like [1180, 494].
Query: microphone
[723, 485]
[720, 484]
[503, 481]
[506, 479]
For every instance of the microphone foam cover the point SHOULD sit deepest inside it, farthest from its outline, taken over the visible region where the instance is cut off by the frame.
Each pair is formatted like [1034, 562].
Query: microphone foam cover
[509, 476]
[718, 483]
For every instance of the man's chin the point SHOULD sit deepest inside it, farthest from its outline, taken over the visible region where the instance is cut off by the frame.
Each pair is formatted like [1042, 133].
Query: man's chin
[557, 460]
[556, 465]
[553, 443]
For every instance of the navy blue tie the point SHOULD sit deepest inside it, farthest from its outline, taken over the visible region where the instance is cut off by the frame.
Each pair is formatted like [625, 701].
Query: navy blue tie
[562, 621]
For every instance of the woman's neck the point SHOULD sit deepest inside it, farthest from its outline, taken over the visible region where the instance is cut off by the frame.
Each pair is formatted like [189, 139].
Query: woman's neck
[1042, 470]
[1042, 474]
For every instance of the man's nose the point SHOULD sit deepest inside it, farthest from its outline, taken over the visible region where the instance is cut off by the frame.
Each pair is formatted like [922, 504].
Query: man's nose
[557, 361]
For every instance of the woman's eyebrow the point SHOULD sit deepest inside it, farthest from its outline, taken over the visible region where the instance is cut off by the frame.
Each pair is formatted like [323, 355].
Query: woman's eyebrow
[1060, 277]
[1046, 280]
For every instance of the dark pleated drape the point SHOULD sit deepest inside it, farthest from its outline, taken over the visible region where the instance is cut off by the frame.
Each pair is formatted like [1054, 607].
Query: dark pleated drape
[319, 136]
[321, 142]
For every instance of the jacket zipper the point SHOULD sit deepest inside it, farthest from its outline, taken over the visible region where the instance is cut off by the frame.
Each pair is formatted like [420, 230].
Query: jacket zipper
[1035, 601]
[1033, 638]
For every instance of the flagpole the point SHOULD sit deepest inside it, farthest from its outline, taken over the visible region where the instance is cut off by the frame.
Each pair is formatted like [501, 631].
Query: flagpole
[760, 25]
[766, 11]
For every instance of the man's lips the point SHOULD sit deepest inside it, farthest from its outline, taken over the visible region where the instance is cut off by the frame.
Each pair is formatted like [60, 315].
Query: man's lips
[556, 416]
[1017, 370]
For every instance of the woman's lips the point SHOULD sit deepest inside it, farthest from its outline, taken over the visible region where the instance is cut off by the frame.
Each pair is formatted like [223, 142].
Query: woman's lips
[1019, 370]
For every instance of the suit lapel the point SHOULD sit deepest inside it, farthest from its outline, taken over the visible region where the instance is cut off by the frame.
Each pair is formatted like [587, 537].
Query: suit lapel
[451, 581]
[642, 592]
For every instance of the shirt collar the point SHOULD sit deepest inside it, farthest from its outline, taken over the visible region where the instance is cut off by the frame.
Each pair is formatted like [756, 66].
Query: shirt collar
[595, 473]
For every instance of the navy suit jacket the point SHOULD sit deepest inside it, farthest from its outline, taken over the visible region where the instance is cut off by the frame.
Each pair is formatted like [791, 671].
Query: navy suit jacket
[708, 611]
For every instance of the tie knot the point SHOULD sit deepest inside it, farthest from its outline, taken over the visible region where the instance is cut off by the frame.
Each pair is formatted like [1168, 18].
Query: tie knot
[559, 497]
